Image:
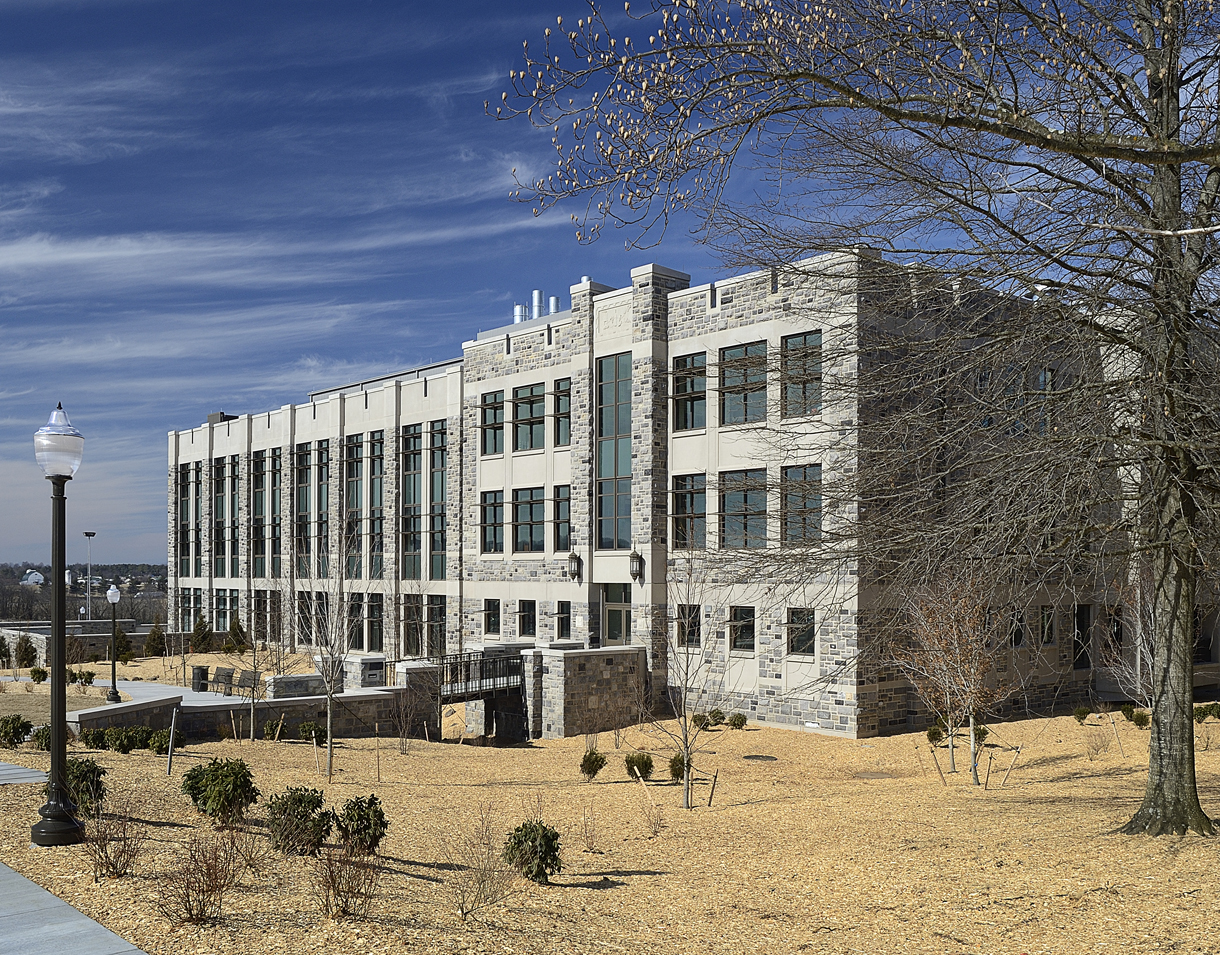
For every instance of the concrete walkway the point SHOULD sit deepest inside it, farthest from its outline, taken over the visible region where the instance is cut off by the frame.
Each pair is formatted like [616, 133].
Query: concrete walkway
[13, 775]
[34, 922]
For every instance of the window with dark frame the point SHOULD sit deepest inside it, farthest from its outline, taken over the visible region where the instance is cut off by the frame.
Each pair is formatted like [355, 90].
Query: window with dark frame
[353, 498]
[801, 375]
[258, 513]
[219, 563]
[801, 504]
[276, 484]
[741, 629]
[491, 422]
[690, 511]
[376, 622]
[563, 620]
[563, 412]
[690, 392]
[491, 616]
[1016, 629]
[304, 494]
[614, 452]
[491, 522]
[527, 618]
[529, 520]
[529, 417]
[743, 509]
[412, 501]
[413, 624]
[563, 517]
[802, 634]
[438, 465]
[436, 625]
[690, 625]
[322, 525]
[743, 384]
[355, 621]
[376, 502]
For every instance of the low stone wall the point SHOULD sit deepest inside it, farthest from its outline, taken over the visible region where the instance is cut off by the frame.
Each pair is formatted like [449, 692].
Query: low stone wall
[292, 685]
[583, 691]
[154, 713]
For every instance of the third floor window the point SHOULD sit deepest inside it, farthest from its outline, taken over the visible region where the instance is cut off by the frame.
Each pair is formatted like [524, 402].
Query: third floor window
[529, 417]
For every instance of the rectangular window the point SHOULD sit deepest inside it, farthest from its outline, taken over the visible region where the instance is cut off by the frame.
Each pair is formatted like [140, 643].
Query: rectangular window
[491, 522]
[690, 510]
[563, 518]
[563, 412]
[529, 417]
[322, 477]
[563, 620]
[438, 464]
[527, 618]
[376, 623]
[801, 504]
[219, 553]
[197, 535]
[376, 505]
[413, 624]
[1046, 624]
[741, 629]
[1016, 629]
[184, 521]
[276, 538]
[491, 616]
[802, 638]
[743, 384]
[529, 520]
[690, 392]
[258, 517]
[355, 621]
[690, 628]
[303, 509]
[234, 513]
[1080, 637]
[220, 611]
[412, 501]
[743, 509]
[614, 452]
[436, 625]
[491, 422]
[353, 501]
[801, 374]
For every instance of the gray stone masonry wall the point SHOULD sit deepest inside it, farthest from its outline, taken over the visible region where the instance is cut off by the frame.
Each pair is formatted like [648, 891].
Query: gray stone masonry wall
[584, 691]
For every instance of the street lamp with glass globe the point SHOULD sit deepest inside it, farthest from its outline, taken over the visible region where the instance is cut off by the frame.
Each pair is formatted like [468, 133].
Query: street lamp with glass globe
[58, 448]
[112, 595]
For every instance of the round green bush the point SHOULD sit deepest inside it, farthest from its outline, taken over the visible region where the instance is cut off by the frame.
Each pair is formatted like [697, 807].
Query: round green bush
[1202, 712]
[93, 738]
[639, 764]
[222, 789]
[142, 735]
[309, 729]
[1082, 713]
[715, 717]
[120, 739]
[361, 825]
[158, 742]
[737, 721]
[935, 734]
[1141, 719]
[297, 821]
[533, 850]
[85, 677]
[13, 730]
[1128, 711]
[269, 729]
[678, 767]
[85, 784]
[38, 674]
[42, 739]
[699, 721]
[591, 764]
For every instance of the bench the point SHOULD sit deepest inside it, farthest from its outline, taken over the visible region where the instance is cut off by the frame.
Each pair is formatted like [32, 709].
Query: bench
[248, 680]
[222, 681]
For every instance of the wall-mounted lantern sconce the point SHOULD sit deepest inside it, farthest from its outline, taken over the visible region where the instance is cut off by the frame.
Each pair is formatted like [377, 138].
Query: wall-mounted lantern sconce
[635, 566]
[574, 565]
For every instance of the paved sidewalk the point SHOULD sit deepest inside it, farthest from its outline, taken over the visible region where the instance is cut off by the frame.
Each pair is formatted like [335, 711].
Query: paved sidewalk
[34, 922]
[14, 775]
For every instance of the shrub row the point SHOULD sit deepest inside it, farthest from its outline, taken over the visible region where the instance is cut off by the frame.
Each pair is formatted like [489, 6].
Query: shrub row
[299, 825]
[717, 718]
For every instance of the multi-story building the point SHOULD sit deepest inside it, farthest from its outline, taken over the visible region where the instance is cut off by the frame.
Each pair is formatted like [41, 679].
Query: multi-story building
[536, 490]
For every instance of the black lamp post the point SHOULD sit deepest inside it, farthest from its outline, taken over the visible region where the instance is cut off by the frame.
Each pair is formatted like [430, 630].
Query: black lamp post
[112, 595]
[59, 448]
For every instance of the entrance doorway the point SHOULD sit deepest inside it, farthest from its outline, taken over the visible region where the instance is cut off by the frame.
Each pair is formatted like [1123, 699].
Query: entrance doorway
[616, 623]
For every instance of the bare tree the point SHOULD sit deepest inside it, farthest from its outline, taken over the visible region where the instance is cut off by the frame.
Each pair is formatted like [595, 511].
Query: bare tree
[1062, 152]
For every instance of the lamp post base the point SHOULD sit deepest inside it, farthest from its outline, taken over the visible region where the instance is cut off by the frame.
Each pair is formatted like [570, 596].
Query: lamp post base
[58, 827]
[113, 696]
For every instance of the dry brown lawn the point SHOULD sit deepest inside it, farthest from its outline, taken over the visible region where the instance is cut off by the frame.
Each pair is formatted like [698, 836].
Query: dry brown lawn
[798, 854]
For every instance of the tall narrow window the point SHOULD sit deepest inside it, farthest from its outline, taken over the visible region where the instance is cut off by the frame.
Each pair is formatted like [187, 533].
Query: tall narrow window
[690, 510]
[234, 513]
[563, 517]
[412, 501]
[353, 503]
[1016, 629]
[743, 383]
[220, 611]
[563, 412]
[304, 624]
[614, 452]
[323, 500]
[741, 628]
[277, 511]
[529, 520]
[529, 417]
[438, 464]
[690, 392]
[802, 635]
[184, 522]
[801, 504]
[801, 375]
[743, 508]
[413, 625]
[491, 617]
[220, 563]
[197, 511]
[304, 495]
[1080, 637]
[376, 505]
[527, 618]
[376, 623]
[491, 422]
[258, 517]
[355, 621]
[690, 633]
[491, 522]
[436, 625]
[1046, 618]
[563, 620]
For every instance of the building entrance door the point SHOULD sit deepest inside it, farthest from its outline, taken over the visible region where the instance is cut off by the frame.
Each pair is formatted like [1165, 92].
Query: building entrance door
[616, 624]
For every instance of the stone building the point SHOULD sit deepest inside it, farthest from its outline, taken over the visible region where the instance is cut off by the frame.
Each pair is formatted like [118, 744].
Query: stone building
[530, 498]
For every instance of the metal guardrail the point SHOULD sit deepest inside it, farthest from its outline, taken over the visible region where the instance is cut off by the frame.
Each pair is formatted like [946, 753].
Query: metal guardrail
[469, 675]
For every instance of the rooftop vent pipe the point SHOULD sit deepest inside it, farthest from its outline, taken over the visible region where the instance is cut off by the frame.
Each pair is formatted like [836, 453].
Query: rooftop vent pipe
[538, 313]
[518, 314]
[554, 305]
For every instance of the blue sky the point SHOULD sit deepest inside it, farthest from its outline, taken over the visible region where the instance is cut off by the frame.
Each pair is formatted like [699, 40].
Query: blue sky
[210, 206]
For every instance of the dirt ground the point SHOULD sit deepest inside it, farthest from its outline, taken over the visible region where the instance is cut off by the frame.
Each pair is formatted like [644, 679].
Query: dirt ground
[831, 846]
[34, 702]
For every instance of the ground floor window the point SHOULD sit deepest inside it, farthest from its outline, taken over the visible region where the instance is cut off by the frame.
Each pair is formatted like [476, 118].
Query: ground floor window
[802, 636]
[741, 628]
[689, 625]
[491, 617]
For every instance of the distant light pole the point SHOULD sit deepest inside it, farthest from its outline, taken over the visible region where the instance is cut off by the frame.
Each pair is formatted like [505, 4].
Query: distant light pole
[89, 535]
[113, 596]
[59, 448]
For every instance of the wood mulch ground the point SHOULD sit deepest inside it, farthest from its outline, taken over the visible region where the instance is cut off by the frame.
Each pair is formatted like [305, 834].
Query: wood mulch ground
[34, 701]
[831, 846]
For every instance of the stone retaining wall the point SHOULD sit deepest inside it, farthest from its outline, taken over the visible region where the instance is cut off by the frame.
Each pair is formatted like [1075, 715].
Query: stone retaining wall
[576, 692]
